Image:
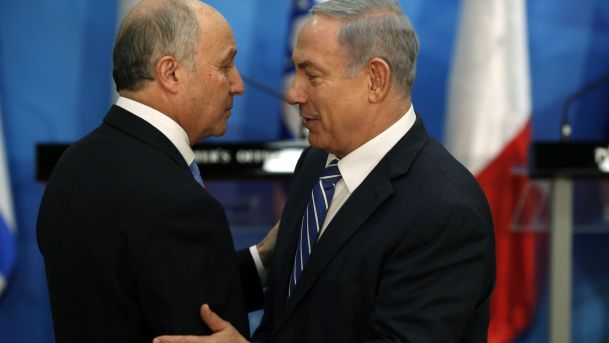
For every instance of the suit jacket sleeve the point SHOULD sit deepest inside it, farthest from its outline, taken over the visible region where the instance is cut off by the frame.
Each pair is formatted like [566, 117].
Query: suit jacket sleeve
[434, 279]
[250, 281]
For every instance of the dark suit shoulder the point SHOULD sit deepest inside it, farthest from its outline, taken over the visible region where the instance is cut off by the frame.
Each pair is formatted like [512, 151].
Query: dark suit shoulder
[123, 218]
[445, 179]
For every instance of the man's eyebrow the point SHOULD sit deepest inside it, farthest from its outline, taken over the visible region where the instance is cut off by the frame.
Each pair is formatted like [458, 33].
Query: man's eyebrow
[308, 65]
[230, 54]
[303, 64]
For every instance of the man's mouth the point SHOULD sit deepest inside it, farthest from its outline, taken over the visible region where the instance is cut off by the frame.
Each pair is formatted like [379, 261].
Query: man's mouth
[307, 121]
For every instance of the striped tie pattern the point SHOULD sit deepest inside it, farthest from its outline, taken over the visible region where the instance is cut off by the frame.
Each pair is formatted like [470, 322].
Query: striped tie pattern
[313, 219]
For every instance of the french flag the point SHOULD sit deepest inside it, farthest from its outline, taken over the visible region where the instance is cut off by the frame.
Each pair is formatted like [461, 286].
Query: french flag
[7, 220]
[291, 124]
[488, 129]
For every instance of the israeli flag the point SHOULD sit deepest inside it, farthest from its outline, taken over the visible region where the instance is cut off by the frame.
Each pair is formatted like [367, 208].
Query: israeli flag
[7, 219]
[291, 122]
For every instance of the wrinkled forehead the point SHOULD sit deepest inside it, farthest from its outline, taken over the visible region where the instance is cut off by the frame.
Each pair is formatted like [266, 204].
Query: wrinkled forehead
[320, 28]
[318, 39]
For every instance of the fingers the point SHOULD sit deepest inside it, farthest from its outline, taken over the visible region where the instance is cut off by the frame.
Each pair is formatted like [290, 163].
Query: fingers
[213, 321]
[223, 331]
[179, 339]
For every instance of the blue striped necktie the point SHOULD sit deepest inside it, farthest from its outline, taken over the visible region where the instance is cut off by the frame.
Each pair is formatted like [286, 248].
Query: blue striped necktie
[313, 219]
[194, 169]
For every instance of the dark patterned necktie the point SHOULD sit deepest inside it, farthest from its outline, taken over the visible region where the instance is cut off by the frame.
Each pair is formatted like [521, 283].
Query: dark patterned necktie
[313, 219]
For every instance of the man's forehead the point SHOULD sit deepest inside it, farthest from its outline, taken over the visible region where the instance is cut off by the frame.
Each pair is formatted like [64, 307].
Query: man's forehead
[318, 31]
[315, 45]
[218, 34]
[320, 23]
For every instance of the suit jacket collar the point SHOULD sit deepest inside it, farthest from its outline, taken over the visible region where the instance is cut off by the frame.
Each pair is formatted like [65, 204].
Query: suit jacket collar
[374, 190]
[132, 125]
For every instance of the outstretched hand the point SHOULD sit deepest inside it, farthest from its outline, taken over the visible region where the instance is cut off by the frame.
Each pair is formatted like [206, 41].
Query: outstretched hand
[223, 331]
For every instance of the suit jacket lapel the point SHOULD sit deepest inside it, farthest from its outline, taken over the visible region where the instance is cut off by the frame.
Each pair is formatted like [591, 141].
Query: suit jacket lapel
[138, 128]
[375, 189]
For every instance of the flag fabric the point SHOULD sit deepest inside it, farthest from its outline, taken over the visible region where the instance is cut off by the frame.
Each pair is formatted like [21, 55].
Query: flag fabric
[7, 220]
[488, 129]
[291, 124]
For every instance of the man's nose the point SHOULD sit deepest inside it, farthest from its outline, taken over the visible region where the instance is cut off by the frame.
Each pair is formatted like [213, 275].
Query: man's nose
[236, 85]
[294, 95]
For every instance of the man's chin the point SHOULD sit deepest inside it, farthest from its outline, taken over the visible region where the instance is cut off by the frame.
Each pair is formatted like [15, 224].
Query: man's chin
[220, 131]
[315, 141]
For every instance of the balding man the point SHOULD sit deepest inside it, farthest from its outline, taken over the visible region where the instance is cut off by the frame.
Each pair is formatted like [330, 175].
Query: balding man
[132, 241]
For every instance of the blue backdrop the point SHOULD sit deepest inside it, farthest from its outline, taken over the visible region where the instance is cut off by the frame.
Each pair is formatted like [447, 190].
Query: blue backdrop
[55, 69]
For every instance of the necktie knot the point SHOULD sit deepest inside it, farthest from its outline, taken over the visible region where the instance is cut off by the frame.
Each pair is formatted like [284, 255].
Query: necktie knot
[331, 175]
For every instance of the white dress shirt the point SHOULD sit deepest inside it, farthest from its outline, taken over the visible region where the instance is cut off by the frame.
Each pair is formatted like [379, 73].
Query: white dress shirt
[354, 168]
[169, 128]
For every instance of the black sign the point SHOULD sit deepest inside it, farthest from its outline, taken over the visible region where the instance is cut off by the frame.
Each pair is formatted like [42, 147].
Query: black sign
[272, 160]
[570, 159]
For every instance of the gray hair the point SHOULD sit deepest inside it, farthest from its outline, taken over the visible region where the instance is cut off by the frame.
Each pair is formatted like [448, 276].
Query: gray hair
[170, 29]
[375, 28]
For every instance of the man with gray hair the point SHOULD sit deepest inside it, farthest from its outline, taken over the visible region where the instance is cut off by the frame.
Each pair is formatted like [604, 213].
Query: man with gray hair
[133, 243]
[385, 237]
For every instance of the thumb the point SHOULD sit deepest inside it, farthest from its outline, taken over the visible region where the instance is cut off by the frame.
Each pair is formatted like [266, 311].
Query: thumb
[213, 321]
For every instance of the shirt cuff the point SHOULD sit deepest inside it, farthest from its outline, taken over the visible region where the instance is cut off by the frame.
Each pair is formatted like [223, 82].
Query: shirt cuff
[262, 275]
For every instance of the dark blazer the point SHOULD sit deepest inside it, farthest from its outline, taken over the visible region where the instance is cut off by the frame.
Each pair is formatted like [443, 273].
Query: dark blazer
[132, 244]
[408, 258]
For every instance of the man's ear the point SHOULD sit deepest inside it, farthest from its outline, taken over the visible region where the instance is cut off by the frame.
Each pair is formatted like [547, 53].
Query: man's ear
[379, 75]
[167, 73]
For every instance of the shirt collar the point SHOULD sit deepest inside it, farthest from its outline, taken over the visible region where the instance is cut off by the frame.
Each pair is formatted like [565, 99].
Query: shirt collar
[172, 130]
[356, 166]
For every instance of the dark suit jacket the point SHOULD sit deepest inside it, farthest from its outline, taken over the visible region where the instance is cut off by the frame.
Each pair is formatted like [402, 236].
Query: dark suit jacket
[132, 244]
[408, 258]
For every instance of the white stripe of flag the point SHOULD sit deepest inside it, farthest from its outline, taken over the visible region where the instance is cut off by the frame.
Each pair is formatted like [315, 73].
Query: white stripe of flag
[7, 217]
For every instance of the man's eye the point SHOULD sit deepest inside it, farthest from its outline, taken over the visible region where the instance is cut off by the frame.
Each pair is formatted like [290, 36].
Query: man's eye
[226, 68]
[312, 77]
